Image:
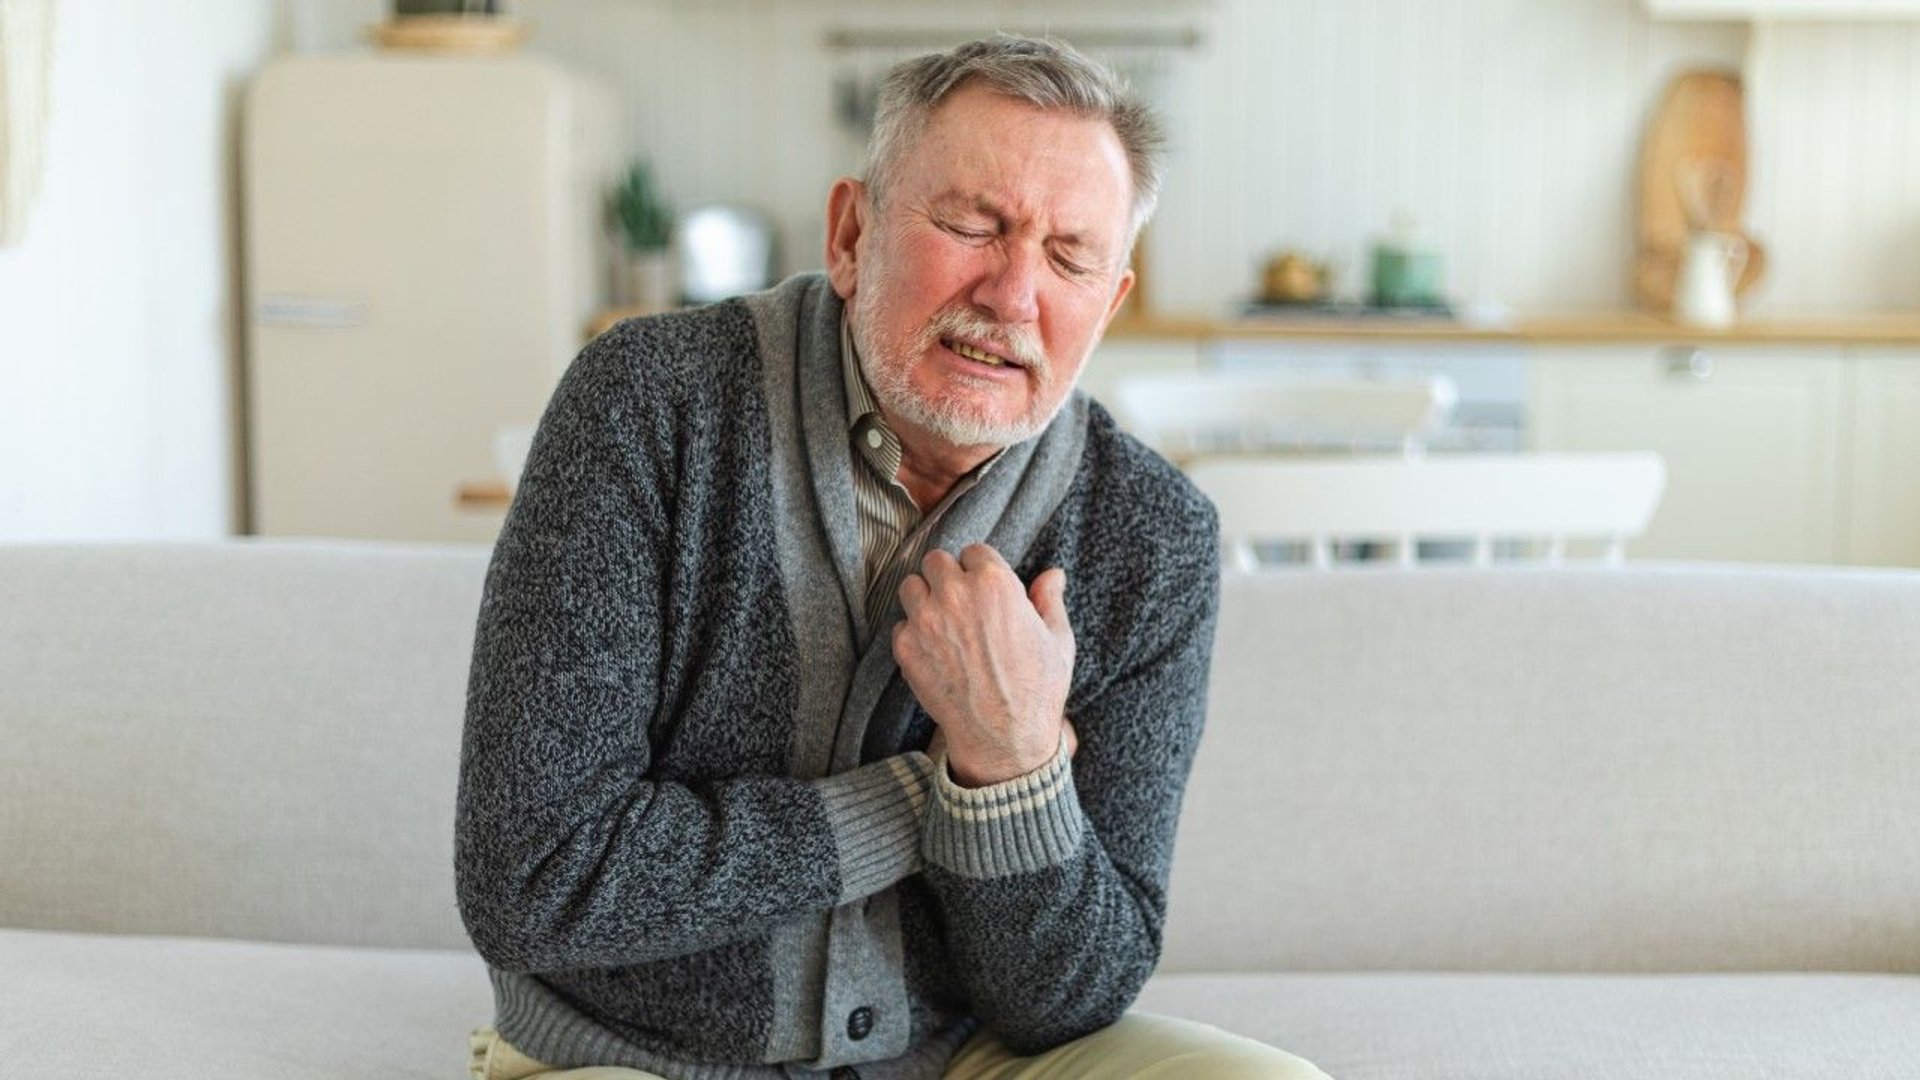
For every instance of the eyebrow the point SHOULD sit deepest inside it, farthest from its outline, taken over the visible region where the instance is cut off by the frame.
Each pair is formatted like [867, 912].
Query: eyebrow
[955, 200]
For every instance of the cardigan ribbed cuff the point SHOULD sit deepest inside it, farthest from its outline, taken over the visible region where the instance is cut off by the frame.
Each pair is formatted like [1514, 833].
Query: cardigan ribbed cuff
[875, 813]
[1017, 826]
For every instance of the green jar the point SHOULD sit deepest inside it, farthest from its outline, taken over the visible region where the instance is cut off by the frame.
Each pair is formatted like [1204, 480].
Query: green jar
[1406, 277]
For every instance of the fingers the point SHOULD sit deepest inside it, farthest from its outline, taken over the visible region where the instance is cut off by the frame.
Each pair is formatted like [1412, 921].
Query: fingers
[1072, 736]
[942, 568]
[939, 567]
[1049, 595]
[913, 592]
[982, 557]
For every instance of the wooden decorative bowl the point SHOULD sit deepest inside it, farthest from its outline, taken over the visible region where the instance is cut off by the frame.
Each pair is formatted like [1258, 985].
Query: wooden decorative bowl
[450, 33]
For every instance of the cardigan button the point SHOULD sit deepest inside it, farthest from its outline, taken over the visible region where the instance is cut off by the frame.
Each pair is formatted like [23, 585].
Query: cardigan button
[859, 1023]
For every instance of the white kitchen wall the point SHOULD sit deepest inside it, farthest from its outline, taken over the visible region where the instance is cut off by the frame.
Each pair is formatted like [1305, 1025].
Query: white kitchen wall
[117, 332]
[1835, 159]
[1509, 128]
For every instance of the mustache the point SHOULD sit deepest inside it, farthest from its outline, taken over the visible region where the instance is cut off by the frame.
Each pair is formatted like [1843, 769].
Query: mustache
[1017, 342]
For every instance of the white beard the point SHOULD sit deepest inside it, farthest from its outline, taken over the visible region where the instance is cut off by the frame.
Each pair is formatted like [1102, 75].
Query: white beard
[887, 364]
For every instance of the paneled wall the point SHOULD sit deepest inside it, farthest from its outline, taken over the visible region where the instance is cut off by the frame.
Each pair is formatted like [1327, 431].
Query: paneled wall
[1835, 134]
[1509, 128]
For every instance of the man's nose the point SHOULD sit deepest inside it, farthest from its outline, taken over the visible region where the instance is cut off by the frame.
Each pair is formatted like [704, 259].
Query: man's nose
[1009, 288]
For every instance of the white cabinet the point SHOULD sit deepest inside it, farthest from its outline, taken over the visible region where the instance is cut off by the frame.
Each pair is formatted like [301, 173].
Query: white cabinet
[1883, 490]
[1751, 436]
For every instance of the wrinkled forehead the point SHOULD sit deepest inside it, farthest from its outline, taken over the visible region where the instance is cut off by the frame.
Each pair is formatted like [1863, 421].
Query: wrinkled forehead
[1024, 165]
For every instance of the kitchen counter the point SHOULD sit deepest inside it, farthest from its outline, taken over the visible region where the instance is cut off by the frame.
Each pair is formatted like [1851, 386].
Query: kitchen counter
[1894, 328]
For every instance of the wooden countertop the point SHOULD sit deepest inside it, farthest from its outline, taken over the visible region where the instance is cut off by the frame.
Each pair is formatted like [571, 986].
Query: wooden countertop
[1893, 328]
[1593, 328]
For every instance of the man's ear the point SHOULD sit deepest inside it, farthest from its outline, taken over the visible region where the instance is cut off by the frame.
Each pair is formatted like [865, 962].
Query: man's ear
[847, 210]
[1119, 296]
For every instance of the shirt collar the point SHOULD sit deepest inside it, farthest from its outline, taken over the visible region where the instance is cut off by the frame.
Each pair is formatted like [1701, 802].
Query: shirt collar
[859, 398]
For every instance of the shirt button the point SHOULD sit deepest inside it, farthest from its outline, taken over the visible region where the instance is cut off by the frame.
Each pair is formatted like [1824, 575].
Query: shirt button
[859, 1023]
[873, 438]
[844, 1072]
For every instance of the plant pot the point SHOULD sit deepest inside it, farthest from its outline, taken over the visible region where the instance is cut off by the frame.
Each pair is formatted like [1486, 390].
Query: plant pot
[647, 281]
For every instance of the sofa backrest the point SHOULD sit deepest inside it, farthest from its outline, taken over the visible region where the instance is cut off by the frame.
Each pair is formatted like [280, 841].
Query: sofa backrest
[1650, 769]
[1646, 769]
[250, 739]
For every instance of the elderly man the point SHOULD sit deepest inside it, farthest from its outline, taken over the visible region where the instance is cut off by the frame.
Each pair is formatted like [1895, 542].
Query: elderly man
[839, 670]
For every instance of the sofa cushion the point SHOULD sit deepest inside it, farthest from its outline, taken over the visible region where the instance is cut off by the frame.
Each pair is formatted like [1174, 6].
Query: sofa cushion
[159, 1008]
[1567, 1027]
[83, 1005]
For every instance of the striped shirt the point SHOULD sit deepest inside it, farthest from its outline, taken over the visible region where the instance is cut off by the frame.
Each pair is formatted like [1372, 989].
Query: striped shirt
[893, 531]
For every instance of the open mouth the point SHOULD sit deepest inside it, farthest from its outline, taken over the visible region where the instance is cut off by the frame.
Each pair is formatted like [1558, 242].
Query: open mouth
[979, 355]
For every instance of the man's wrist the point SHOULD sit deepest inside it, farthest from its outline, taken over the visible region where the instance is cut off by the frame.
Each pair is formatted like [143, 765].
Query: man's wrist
[974, 776]
[1025, 824]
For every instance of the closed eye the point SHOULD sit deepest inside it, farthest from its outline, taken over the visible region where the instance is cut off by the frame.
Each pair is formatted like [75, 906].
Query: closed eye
[1070, 267]
[967, 234]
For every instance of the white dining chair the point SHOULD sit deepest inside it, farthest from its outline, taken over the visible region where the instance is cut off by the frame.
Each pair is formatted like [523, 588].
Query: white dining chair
[1548, 500]
[1191, 414]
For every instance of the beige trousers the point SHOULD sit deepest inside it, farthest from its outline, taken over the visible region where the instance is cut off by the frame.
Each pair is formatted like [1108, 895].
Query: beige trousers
[1140, 1047]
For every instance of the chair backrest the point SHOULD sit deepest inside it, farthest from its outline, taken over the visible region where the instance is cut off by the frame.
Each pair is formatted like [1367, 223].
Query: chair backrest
[1479, 498]
[1187, 414]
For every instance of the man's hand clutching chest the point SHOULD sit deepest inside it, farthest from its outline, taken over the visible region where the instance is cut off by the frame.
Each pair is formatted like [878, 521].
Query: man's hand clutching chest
[990, 661]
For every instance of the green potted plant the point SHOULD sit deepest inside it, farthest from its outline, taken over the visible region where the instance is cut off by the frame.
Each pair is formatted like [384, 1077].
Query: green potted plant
[645, 276]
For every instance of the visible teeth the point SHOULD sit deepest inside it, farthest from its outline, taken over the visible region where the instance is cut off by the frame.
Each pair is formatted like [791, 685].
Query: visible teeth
[972, 353]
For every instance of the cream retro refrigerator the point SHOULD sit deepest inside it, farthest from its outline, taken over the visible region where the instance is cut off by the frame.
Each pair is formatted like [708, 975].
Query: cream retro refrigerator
[423, 248]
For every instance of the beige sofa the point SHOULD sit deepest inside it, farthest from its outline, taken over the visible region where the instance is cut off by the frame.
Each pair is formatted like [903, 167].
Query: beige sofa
[1661, 822]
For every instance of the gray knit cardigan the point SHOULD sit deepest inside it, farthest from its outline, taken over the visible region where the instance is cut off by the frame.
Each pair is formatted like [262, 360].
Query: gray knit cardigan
[697, 831]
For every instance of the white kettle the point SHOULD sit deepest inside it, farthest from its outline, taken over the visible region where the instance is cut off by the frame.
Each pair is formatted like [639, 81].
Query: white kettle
[1713, 264]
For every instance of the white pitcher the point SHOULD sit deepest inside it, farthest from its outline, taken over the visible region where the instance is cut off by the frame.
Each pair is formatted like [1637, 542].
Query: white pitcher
[1704, 296]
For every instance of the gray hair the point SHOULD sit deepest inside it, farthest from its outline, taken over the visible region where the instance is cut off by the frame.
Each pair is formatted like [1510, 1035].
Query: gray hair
[1043, 73]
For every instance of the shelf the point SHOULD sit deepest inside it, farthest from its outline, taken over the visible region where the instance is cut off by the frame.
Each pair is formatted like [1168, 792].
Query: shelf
[483, 495]
[1744, 10]
[1601, 328]
[1892, 328]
